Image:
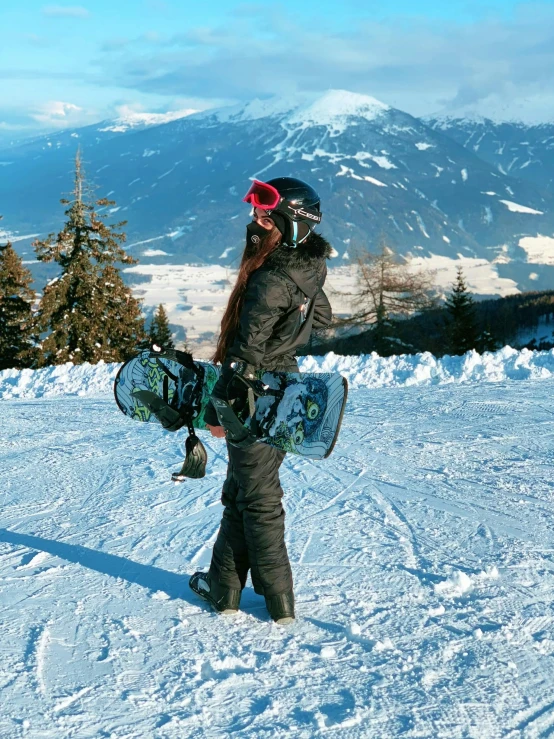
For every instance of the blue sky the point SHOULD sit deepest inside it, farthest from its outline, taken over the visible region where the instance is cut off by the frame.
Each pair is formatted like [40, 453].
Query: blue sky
[65, 64]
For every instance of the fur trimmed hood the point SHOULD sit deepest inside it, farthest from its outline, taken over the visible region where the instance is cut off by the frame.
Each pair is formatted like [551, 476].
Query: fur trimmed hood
[315, 248]
[304, 264]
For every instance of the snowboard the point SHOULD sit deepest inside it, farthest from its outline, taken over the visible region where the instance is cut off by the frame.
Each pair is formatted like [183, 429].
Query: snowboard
[300, 413]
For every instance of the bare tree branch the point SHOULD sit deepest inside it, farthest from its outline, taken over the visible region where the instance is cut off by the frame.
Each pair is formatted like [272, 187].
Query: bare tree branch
[387, 287]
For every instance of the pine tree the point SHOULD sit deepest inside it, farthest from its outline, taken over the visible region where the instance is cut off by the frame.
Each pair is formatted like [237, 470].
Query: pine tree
[487, 341]
[383, 332]
[16, 317]
[87, 313]
[160, 333]
[463, 333]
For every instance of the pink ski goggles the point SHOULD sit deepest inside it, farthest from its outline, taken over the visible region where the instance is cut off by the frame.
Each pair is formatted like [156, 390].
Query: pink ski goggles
[262, 195]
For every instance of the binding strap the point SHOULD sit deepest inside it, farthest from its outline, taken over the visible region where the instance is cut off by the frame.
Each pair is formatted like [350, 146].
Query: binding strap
[236, 432]
[173, 418]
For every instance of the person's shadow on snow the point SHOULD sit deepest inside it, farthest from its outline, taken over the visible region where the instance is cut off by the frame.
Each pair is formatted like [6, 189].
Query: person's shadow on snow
[153, 578]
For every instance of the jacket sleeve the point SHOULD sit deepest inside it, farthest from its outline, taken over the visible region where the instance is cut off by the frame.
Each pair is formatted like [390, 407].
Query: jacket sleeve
[210, 416]
[323, 314]
[267, 299]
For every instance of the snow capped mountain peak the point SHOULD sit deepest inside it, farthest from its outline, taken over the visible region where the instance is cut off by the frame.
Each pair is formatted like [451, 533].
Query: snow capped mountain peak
[336, 105]
[331, 109]
[135, 119]
[445, 120]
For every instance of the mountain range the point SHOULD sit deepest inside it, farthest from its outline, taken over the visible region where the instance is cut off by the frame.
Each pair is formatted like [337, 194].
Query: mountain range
[513, 148]
[434, 189]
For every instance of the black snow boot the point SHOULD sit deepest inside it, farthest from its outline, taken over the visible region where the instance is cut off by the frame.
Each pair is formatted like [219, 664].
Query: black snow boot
[222, 598]
[281, 607]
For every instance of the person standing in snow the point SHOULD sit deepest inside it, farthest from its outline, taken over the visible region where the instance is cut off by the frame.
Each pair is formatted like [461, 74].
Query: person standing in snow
[277, 300]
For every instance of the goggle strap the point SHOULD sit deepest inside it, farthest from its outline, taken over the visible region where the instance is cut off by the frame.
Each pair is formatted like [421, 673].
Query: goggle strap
[294, 232]
[303, 239]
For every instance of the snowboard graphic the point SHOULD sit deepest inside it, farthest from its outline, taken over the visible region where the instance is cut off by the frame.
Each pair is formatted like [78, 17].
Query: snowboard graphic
[162, 374]
[305, 417]
[301, 415]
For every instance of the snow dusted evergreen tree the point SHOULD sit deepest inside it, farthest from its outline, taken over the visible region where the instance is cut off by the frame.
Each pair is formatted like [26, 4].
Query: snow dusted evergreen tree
[487, 342]
[383, 331]
[16, 317]
[160, 333]
[463, 332]
[87, 313]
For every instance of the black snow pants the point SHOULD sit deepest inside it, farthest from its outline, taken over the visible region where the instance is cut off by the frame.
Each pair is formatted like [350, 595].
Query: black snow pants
[252, 532]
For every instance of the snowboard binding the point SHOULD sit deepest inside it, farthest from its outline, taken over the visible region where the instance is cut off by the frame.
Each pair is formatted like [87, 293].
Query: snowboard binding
[238, 407]
[173, 419]
[170, 419]
[196, 459]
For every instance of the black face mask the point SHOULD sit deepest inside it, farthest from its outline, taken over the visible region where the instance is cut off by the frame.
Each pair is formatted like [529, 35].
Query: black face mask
[254, 235]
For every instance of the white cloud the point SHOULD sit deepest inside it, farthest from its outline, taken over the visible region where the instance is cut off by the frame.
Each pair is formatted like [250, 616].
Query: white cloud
[137, 113]
[129, 116]
[423, 66]
[66, 11]
[55, 111]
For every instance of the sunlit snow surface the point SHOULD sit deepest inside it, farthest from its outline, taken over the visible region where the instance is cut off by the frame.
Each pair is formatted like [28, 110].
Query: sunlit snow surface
[517, 208]
[539, 249]
[330, 109]
[135, 119]
[422, 553]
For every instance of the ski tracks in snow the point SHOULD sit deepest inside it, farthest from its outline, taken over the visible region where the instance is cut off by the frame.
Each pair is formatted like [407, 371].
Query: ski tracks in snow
[422, 552]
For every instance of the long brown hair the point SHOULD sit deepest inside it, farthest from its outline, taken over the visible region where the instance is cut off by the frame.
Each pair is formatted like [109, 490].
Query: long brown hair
[252, 258]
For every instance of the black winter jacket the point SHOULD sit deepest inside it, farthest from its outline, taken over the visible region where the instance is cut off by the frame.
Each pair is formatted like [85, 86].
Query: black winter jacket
[272, 325]
[284, 300]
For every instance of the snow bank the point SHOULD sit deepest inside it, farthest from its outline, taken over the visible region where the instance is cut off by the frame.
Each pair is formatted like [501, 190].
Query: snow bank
[365, 371]
[65, 379]
[371, 370]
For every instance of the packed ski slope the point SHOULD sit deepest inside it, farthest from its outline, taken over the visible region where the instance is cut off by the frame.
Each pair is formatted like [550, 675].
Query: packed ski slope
[422, 550]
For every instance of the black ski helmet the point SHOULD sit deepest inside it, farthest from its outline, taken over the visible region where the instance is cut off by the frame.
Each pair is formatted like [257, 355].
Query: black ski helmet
[298, 208]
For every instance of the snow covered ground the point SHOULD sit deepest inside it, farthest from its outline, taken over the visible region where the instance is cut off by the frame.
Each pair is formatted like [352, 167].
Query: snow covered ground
[422, 552]
[539, 249]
